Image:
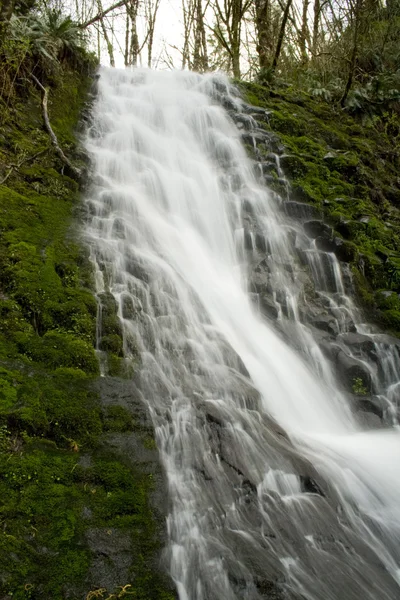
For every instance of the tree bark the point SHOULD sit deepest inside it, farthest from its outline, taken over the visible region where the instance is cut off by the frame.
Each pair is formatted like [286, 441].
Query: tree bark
[102, 14]
[354, 51]
[110, 48]
[304, 32]
[263, 29]
[281, 35]
[49, 129]
[200, 60]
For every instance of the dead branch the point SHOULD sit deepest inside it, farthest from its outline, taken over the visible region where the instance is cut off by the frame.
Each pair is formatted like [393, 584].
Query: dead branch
[50, 131]
[16, 166]
[101, 14]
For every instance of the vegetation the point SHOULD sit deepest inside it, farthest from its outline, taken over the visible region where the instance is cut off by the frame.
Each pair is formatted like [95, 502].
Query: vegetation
[62, 484]
[349, 171]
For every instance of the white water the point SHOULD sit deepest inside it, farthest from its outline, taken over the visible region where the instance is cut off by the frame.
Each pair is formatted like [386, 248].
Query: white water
[240, 417]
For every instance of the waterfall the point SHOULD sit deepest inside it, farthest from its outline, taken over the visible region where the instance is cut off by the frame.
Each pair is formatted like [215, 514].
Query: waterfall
[277, 487]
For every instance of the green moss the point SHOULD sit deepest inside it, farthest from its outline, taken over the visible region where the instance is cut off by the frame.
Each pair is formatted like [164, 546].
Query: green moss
[49, 411]
[118, 418]
[349, 171]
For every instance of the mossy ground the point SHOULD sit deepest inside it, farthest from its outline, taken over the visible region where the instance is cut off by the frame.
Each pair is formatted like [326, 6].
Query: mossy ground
[49, 412]
[350, 170]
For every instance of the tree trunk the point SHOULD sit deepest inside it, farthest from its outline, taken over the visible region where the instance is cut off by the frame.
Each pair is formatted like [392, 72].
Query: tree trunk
[281, 35]
[126, 51]
[131, 7]
[110, 48]
[200, 60]
[304, 33]
[263, 29]
[317, 15]
[353, 58]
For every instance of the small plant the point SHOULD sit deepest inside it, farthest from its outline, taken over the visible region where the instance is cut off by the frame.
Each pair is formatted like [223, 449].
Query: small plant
[359, 388]
[4, 438]
[99, 593]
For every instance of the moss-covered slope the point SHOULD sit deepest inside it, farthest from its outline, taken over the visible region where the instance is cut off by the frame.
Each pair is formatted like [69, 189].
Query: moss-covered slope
[351, 171]
[65, 483]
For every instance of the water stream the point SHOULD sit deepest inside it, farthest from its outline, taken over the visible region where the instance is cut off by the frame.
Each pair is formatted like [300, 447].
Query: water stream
[278, 488]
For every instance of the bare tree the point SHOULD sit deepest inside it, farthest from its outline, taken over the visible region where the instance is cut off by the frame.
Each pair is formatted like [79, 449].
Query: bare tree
[132, 7]
[304, 32]
[227, 29]
[281, 35]
[200, 54]
[107, 39]
[263, 24]
[151, 9]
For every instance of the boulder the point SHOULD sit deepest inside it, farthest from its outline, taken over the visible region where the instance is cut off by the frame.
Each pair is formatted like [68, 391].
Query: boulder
[268, 307]
[359, 344]
[351, 369]
[344, 250]
[327, 323]
[301, 211]
[317, 228]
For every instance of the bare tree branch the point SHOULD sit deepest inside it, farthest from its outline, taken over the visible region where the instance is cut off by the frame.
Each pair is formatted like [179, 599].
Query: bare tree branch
[53, 137]
[101, 14]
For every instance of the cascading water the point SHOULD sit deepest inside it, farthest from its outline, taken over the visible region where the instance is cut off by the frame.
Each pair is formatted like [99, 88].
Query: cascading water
[276, 490]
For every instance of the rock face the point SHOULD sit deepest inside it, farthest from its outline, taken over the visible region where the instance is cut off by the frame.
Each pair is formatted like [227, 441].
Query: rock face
[356, 359]
[119, 555]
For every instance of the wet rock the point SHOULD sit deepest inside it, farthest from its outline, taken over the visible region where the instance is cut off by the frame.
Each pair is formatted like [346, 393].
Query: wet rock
[359, 344]
[374, 405]
[255, 110]
[266, 168]
[268, 307]
[351, 369]
[261, 242]
[248, 240]
[344, 250]
[259, 283]
[387, 340]
[317, 228]
[111, 551]
[310, 486]
[369, 420]
[301, 211]
[118, 229]
[327, 323]
[128, 307]
[247, 207]
[135, 268]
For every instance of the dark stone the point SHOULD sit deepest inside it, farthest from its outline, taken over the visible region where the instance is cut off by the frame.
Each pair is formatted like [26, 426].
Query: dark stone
[248, 240]
[261, 243]
[111, 551]
[370, 404]
[301, 211]
[317, 228]
[118, 229]
[369, 420]
[248, 207]
[259, 282]
[133, 267]
[350, 369]
[128, 307]
[345, 251]
[255, 110]
[327, 323]
[268, 307]
[359, 344]
[310, 486]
